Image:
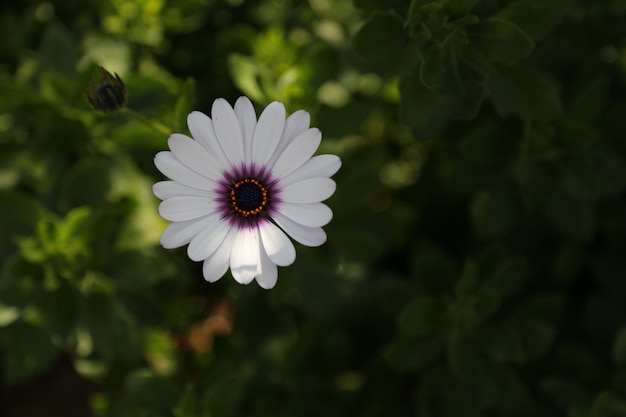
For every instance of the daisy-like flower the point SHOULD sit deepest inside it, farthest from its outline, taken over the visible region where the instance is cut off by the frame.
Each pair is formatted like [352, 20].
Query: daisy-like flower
[240, 184]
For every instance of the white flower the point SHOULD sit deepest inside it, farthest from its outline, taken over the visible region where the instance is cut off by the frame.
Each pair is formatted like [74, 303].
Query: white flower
[240, 184]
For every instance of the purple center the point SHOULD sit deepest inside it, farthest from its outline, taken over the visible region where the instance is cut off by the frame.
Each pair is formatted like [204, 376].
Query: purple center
[249, 195]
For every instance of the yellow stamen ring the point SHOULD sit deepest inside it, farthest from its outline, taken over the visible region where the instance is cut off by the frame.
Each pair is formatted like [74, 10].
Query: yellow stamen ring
[235, 203]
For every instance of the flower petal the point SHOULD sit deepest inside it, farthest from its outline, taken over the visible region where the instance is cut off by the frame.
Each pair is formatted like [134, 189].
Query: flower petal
[268, 274]
[216, 265]
[307, 236]
[297, 152]
[277, 245]
[194, 156]
[244, 258]
[172, 168]
[317, 167]
[244, 110]
[178, 234]
[309, 215]
[228, 131]
[168, 189]
[201, 128]
[296, 123]
[311, 190]
[268, 131]
[178, 209]
[206, 242]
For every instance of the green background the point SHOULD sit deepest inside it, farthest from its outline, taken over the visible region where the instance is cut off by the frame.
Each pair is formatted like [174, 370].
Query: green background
[476, 262]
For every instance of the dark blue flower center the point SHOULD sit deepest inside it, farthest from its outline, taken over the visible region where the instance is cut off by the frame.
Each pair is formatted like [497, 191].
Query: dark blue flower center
[248, 197]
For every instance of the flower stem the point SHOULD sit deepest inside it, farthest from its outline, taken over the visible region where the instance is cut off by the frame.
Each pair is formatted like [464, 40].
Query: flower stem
[148, 122]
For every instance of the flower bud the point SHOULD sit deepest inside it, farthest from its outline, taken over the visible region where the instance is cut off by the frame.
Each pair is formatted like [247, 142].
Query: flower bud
[106, 92]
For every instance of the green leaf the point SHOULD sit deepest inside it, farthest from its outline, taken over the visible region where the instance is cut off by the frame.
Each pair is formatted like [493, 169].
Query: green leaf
[465, 360]
[398, 6]
[88, 183]
[459, 96]
[24, 213]
[110, 326]
[185, 104]
[27, 350]
[187, 405]
[8, 314]
[383, 44]
[59, 50]
[568, 262]
[502, 343]
[459, 7]
[571, 216]
[499, 40]
[441, 394]
[509, 277]
[534, 17]
[470, 279]
[245, 73]
[411, 355]
[589, 101]
[432, 67]
[536, 336]
[222, 397]
[493, 213]
[138, 269]
[486, 303]
[619, 349]
[608, 404]
[427, 21]
[421, 317]
[434, 271]
[149, 394]
[525, 92]
[565, 393]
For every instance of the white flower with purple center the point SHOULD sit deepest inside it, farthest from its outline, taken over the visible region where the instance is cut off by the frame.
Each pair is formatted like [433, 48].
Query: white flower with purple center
[240, 184]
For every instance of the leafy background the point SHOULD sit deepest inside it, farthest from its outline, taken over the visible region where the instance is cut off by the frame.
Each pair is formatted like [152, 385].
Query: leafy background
[476, 264]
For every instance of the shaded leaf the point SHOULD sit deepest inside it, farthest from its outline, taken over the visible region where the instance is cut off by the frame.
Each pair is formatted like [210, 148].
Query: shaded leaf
[525, 92]
[411, 354]
[421, 317]
[459, 96]
[383, 44]
[499, 40]
[28, 351]
[534, 17]
[502, 343]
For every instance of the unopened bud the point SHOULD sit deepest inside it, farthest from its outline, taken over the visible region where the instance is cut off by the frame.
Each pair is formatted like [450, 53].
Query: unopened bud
[106, 92]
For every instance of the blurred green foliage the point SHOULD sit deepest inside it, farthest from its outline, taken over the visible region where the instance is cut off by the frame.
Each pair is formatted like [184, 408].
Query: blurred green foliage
[476, 264]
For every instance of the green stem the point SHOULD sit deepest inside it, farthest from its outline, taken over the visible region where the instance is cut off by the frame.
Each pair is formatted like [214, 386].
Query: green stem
[148, 122]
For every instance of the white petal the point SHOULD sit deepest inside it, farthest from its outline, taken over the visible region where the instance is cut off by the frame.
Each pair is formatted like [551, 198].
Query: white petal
[247, 122]
[309, 215]
[277, 245]
[172, 168]
[216, 265]
[206, 242]
[268, 274]
[311, 190]
[177, 209]
[178, 234]
[268, 132]
[227, 129]
[201, 128]
[169, 189]
[297, 152]
[296, 123]
[244, 258]
[194, 156]
[307, 236]
[317, 167]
